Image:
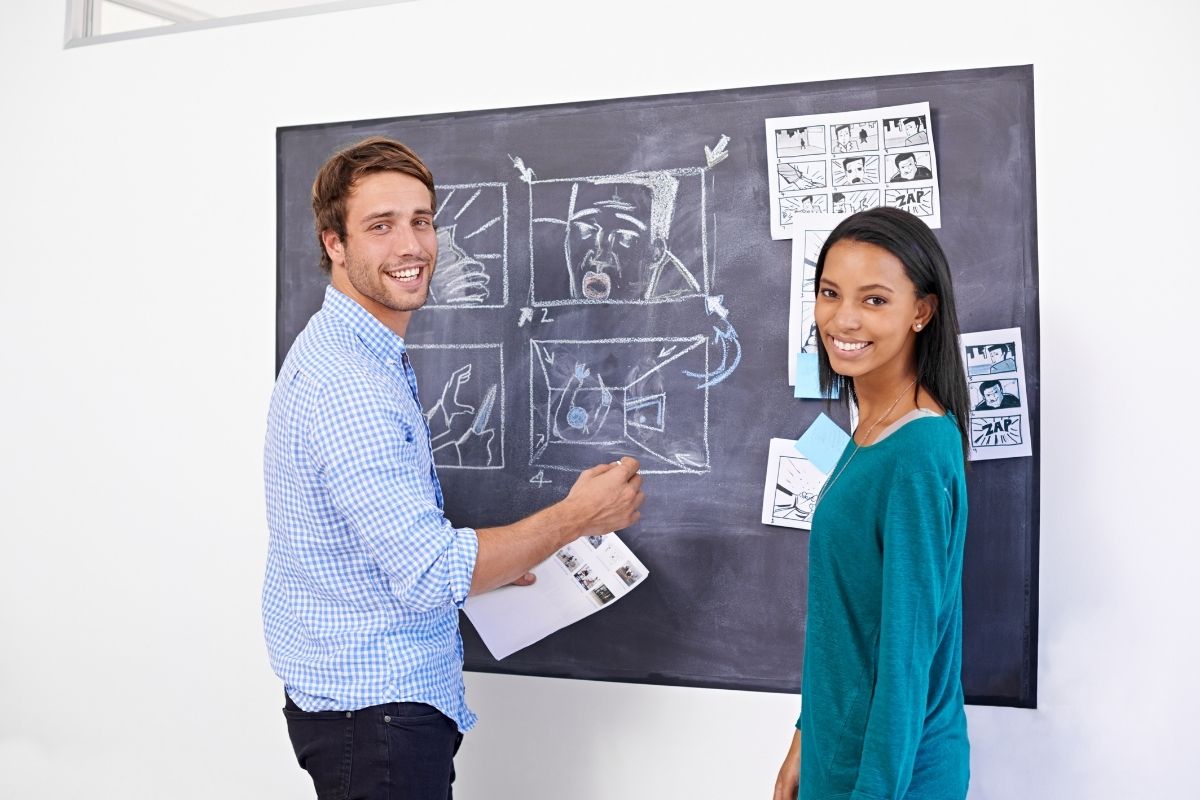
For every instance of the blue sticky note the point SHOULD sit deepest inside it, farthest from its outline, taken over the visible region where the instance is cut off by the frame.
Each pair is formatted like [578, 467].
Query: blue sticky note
[808, 380]
[823, 443]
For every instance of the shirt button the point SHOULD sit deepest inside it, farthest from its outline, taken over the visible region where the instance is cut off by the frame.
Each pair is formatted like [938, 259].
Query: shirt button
[349, 714]
[387, 719]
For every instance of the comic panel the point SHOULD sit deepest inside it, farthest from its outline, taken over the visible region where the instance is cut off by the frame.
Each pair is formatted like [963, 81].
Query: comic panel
[1003, 431]
[807, 141]
[855, 137]
[602, 594]
[629, 573]
[992, 358]
[472, 259]
[586, 577]
[798, 176]
[636, 237]
[851, 202]
[808, 324]
[913, 200]
[910, 165]
[594, 400]
[462, 395]
[855, 170]
[905, 132]
[568, 558]
[796, 489]
[991, 395]
[789, 207]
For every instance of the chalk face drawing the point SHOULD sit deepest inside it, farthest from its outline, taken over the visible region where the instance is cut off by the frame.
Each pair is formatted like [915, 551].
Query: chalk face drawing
[594, 400]
[637, 237]
[472, 261]
[462, 395]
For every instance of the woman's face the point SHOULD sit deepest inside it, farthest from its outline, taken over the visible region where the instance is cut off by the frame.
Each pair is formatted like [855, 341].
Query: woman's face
[866, 309]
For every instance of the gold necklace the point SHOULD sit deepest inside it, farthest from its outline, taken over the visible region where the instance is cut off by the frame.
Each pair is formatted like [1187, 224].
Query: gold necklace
[857, 446]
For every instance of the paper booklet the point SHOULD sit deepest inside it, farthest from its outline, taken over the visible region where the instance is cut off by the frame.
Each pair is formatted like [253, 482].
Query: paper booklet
[576, 582]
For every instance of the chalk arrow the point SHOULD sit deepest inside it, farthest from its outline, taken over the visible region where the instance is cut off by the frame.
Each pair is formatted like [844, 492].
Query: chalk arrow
[666, 351]
[526, 173]
[526, 315]
[715, 155]
[713, 305]
[728, 339]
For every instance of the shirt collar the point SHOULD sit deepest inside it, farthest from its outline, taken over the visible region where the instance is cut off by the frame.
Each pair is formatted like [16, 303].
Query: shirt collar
[381, 340]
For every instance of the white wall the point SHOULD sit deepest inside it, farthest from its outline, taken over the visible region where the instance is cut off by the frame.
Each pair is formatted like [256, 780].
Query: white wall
[137, 197]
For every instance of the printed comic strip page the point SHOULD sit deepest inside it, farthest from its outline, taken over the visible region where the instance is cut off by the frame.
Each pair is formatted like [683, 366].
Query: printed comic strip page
[577, 581]
[851, 161]
[995, 364]
[810, 234]
[791, 487]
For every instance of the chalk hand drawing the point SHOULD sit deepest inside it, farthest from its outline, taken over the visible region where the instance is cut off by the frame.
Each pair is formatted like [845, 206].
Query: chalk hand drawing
[458, 278]
[462, 400]
[592, 400]
[629, 238]
[472, 262]
[715, 155]
[460, 434]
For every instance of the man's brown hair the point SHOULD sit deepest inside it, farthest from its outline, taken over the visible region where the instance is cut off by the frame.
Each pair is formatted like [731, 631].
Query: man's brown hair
[337, 177]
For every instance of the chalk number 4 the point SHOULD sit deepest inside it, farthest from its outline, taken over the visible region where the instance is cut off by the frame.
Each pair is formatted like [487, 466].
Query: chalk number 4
[539, 479]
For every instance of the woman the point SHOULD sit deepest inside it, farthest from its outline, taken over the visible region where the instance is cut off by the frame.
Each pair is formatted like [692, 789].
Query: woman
[882, 702]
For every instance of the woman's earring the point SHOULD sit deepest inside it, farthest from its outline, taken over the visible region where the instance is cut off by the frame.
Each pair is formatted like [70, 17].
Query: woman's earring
[917, 327]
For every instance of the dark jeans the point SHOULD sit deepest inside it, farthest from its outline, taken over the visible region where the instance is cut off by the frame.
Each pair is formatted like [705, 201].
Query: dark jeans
[393, 751]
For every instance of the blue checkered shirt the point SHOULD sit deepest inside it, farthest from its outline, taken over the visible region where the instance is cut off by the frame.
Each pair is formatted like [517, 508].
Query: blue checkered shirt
[365, 575]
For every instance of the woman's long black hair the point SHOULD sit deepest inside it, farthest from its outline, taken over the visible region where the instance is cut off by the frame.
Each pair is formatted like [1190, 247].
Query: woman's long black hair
[939, 355]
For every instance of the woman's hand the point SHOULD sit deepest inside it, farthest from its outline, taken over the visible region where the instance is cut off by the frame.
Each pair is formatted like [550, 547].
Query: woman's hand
[788, 782]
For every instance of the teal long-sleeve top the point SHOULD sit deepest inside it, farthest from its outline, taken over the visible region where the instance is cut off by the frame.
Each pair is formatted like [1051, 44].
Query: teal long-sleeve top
[882, 702]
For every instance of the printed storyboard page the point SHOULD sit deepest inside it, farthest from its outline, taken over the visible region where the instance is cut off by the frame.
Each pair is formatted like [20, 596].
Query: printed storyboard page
[850, 161]
[810, 236]
[791, 487]
[577, 581]
[995, 364]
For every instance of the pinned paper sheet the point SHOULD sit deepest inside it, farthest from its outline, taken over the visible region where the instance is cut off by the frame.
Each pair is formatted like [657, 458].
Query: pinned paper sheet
[791, 487]
[808, 377]
[823, 443]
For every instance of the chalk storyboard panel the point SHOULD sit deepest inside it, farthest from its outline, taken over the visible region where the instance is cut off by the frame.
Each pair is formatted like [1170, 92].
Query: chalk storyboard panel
[607, 285]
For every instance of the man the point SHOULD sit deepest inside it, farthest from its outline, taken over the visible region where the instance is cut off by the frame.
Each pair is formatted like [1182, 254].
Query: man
[855, 169]
[907, 169]
[364, 574]
[914, 131]
[994, 396]
[1000, 359]
[844, 142]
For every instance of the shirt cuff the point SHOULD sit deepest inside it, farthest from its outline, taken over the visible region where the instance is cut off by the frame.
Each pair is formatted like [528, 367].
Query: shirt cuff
[460, 558]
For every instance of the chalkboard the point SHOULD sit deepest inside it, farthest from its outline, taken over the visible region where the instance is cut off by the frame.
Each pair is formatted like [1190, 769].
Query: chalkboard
[560, 370]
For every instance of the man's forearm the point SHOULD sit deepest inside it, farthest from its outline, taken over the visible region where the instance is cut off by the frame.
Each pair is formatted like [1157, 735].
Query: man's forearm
[507, 552]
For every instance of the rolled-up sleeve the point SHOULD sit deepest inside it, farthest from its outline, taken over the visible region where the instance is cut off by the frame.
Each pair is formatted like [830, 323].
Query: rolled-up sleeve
[375, 465]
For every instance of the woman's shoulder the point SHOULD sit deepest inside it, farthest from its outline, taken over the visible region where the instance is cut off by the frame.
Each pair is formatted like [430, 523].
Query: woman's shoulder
[931, 442]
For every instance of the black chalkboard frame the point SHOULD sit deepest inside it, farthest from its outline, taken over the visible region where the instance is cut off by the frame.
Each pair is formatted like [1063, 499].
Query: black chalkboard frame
[724, 605]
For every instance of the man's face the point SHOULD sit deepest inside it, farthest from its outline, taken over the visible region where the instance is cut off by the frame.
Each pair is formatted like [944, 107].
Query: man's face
[910, 128]
[992, 396]
[908, 167]
[609, 243]
[843, 136]
[839, 206]
[806, 204]
[854, 170]
[995, 356]
[388, 256]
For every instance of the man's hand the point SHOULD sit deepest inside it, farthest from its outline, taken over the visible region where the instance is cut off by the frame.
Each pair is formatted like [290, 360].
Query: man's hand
[787, 784]
[606, 497]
